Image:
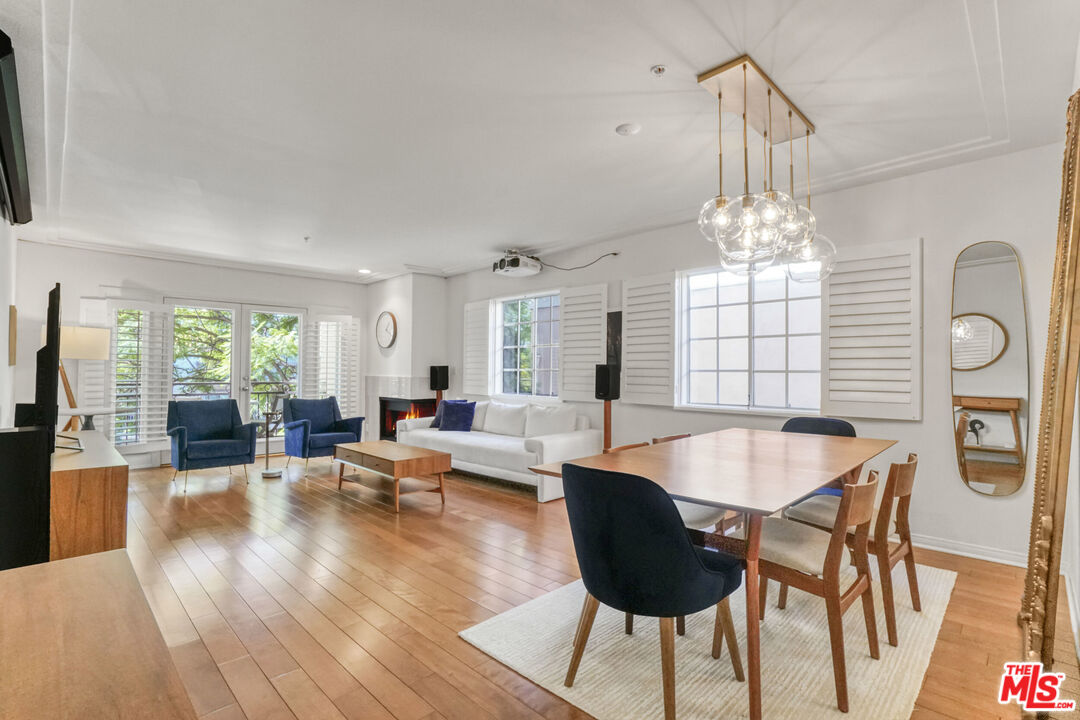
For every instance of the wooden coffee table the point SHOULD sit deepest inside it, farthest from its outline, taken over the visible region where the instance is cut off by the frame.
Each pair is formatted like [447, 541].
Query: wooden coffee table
[421, 469]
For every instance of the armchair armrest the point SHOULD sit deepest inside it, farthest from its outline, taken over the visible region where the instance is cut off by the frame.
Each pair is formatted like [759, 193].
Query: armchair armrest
[297, 434]
[250, 433]
[178, 441]
[354, 425]
[414, 424]
[565, 446]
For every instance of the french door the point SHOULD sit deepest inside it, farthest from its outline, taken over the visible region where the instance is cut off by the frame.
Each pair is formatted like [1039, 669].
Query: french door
[247, 352]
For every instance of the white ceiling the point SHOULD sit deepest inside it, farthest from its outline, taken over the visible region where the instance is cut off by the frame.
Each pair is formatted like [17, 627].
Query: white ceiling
[436, 134]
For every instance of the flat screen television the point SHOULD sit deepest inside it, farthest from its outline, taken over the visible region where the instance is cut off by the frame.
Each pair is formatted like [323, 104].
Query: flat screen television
[44, 411]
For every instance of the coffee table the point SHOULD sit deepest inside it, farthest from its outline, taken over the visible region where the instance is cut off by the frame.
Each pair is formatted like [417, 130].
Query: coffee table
[420, 469]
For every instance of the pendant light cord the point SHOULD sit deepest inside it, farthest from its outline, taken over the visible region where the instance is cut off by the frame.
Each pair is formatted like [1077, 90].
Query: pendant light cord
[773, 141]
[745, 150]
[791, 156]
[720, 142]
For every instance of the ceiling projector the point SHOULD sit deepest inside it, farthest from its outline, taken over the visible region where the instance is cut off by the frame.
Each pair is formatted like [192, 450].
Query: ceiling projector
[514, 264]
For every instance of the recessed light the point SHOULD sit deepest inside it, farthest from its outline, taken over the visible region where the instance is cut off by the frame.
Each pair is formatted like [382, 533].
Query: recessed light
[364, 271]
[658, 70]
[628, 129]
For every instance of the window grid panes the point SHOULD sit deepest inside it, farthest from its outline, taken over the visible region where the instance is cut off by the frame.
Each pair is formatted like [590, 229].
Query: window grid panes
[528, 346]
[752, 343]
[128, 377]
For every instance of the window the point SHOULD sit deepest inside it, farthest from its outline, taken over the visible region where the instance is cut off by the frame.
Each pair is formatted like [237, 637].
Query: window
[527, 346]
[202, 353]
[752, 343]
[128, 338]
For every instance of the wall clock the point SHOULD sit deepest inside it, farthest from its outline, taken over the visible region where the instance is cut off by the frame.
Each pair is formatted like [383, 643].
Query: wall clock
[386, 329]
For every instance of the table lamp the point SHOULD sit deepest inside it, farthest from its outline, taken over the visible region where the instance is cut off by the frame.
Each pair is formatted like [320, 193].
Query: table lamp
[79, 343]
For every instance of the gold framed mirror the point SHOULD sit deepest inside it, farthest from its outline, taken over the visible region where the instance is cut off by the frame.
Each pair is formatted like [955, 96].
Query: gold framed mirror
[1038, 608]
[990, 377]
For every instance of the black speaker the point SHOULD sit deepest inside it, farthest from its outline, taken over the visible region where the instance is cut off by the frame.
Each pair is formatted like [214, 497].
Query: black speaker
[440, 377]
[607, 382]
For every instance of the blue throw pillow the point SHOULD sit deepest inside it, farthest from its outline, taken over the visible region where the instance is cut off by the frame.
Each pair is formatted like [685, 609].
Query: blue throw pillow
[439, 412]
[458, 416]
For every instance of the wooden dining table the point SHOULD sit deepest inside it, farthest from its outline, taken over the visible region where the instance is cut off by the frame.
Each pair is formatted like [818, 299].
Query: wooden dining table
[756, 472]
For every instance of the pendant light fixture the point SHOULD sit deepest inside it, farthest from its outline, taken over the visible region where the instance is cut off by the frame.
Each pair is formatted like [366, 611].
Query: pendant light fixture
[755, 231]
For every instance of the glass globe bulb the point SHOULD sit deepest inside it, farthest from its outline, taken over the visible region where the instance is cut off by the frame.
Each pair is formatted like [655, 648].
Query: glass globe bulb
[798, 227]
[812, 262]
[744, 267]
[767, 210]
[749, 219]
[712, 220]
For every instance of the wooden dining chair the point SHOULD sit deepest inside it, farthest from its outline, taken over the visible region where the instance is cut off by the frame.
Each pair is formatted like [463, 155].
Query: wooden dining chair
[820, 512]
[960, 436]
[669, 438]
[630, 446]
[807, 559]
[660, 574]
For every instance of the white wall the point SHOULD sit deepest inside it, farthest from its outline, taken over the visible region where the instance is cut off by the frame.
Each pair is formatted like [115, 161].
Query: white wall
[88, 273]
[7, 298]
[394, 295]
[1012, 198]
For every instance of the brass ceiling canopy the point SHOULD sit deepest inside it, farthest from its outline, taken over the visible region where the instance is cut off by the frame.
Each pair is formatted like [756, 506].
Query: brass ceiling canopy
[728, 79]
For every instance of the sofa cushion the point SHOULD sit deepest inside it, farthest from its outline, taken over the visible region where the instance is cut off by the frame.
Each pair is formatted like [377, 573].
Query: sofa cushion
[481, 413]
[481, 448]
[321, 440]
[458, 417]
[205, 449]
[549, 420]
[504, 419]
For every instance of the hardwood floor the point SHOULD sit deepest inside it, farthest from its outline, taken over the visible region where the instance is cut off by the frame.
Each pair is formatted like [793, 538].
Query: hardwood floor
[287, 598]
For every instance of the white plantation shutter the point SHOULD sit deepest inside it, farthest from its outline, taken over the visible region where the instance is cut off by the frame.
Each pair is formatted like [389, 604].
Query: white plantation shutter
[582, 340]
[872, 333]
[648, 340]
[142, 345]
[331, 362]
[476, 363]
[93, 382]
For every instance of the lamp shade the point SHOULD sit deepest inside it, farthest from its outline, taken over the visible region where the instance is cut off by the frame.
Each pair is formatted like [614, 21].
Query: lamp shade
[82, 343]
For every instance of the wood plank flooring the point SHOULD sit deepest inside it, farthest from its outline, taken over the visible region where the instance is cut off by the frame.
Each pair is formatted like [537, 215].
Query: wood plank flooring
[285, 598]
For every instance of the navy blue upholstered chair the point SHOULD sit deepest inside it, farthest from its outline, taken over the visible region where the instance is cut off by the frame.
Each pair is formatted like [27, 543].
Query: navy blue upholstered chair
[208, 434]
[820, 426]
[314, 427]
[636, 556]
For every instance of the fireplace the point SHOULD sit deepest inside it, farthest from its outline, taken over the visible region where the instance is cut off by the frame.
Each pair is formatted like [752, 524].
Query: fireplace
[392, 409]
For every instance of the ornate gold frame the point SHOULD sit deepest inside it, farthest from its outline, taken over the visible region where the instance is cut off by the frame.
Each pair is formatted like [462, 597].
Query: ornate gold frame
[1038, 610]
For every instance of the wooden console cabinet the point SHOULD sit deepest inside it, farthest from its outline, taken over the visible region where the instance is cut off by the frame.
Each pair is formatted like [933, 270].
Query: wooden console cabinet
[88, 505]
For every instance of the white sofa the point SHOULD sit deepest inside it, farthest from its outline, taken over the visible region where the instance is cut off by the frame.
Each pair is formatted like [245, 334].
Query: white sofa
[507, 439]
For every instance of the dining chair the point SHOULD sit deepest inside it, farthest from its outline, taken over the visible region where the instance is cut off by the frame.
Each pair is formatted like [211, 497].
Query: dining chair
[694, 516]
[820, 426]
[960, 435]
[821, 512]
[807, 559]
[669, 438]
[635, 556]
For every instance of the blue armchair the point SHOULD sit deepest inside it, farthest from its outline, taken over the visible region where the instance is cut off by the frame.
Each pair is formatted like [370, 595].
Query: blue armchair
[314, 427]
[209, 434]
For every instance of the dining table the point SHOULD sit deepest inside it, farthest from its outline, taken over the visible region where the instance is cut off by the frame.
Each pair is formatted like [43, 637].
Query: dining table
[754, 472]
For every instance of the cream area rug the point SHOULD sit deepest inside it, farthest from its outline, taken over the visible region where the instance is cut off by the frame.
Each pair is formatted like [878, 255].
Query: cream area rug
[619, 676]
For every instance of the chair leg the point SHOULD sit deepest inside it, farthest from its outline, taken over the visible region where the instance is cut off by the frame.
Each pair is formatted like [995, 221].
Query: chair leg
[680, 625]
[629, 623]
[763, 595]
[306, 461]
[173, 478]
[836, 639]
[885, 572]
[667, 664]
[580, 621]
[245, 475]
[588, 614]
[782, 601]
[912, 578]
[871, 618]
[725, 625]
[185, 481]
[287, 461]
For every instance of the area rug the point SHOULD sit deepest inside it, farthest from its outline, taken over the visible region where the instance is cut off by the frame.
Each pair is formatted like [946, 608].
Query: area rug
[619, 676]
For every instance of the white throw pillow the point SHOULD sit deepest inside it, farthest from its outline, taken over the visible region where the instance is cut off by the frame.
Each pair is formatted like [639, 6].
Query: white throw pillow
[549, 420]
[504, 419]
[478, 416]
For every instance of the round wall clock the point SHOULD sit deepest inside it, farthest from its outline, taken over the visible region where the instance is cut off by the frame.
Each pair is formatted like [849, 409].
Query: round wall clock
[386, 329]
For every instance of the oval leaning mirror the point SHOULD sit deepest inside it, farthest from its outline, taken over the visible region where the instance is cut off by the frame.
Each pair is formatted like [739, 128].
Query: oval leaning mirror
[989, 360]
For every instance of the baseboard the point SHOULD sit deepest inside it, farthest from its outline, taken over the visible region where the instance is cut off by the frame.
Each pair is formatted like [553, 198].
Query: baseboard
[971, 550]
